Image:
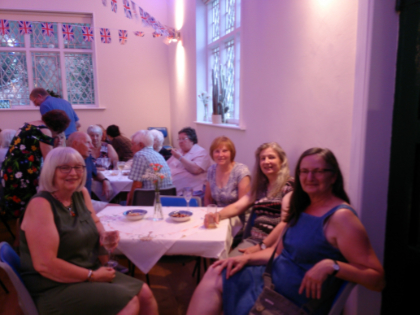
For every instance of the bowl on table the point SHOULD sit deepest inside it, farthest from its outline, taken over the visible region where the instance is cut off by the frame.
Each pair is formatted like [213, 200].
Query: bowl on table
[180, 216]
[135, 214]
[126, 172]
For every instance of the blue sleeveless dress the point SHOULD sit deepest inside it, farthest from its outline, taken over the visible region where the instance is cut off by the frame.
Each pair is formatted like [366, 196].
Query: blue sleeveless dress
[304, 246]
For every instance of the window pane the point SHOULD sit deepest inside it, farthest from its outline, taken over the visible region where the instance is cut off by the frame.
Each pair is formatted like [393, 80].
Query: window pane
[230, 76]
[78, 42]
[47, 72]
[215, 64]
[14, 78]
[215, 20]
[13, 39]
[40, 40]
[230, 15]
[79, 78]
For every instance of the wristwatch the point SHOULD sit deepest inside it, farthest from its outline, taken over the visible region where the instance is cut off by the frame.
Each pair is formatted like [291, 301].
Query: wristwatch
[262, 245]
[336, 268]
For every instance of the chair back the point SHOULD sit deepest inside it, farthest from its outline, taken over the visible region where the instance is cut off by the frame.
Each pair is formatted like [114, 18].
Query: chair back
[146, 197]
[177, 201]
[341, 298]
[10, 263]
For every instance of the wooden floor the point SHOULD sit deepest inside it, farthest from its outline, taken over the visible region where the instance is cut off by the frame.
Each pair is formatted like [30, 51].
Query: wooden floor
[171, 283]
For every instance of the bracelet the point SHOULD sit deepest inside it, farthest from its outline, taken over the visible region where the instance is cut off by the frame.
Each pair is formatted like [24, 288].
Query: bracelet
[90, 276]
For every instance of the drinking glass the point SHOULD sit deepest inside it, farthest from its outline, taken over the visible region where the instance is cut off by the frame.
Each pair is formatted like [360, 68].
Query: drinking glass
[108, 239]
[188, 193]
[99, 163]
[211, 216]
[120, 166]
[106, 162]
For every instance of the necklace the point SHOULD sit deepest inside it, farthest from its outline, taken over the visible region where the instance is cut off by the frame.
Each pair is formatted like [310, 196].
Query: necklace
[68, 208]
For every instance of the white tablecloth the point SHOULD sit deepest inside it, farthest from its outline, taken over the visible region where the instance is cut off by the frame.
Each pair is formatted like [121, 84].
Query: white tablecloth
[119, 183]
[144, 242]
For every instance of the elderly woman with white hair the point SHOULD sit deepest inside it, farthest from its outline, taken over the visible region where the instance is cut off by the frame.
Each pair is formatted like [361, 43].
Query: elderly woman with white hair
[158, 139]
[61, 267]
[101, 149]
[144, 155]
[6, 137]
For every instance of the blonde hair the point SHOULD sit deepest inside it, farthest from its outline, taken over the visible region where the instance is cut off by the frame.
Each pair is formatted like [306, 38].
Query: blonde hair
[260, 181]
[57, 157]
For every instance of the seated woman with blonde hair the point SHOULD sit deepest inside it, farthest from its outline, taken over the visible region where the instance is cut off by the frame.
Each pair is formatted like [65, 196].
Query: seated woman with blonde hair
[61, 266]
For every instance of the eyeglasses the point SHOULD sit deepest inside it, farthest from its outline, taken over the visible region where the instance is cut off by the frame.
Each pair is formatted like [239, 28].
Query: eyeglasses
[66, 169]
[316, 172]
[183, 139]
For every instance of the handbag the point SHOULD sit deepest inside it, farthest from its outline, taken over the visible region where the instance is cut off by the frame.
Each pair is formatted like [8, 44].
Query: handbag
[270, 302]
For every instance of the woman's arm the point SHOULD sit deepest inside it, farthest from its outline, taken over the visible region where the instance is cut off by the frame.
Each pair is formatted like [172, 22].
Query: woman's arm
[208, 199]
[345, 231]
[244, 186]
[45, 148]
[43, 247]
[189, 165]
[112, 154]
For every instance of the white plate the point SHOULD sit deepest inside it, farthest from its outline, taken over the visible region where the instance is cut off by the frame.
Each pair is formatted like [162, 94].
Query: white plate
[187, 217]
[135, 214]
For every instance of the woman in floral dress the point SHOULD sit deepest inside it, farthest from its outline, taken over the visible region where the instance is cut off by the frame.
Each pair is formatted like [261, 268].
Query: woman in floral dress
[22, 165]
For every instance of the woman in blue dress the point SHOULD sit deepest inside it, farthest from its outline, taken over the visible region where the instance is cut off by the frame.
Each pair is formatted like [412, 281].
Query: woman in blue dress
[324, 242]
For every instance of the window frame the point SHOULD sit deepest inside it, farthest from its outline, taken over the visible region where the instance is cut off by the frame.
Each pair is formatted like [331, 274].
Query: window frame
[221, 42]
[59, 18]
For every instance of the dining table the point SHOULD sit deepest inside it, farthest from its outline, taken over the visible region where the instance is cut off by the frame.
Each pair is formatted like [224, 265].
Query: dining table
[119, 183]
[145, 241]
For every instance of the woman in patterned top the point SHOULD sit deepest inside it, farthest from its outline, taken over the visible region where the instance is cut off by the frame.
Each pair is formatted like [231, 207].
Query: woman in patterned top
[101, 149]
[270, 183]
[22, 165]
[227, 180]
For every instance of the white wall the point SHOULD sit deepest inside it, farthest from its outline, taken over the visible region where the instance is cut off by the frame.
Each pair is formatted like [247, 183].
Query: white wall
[133, 79]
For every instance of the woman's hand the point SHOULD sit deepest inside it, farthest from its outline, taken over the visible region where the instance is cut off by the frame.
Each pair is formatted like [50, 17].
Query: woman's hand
[315, 277]
[175, 153]
[103, 274]
[232, 265]
[216, 218]
[250, 250]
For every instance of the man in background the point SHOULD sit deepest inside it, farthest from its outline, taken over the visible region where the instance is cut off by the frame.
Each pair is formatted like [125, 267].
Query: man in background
[41, 98]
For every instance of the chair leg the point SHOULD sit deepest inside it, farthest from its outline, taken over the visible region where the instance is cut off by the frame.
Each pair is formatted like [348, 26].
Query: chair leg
[4, 287]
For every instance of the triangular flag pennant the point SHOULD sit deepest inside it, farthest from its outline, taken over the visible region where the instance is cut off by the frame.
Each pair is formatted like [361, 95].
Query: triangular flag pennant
[68, 33]
[139, 34]
[47, 29]
[114, 6]
[127, 11]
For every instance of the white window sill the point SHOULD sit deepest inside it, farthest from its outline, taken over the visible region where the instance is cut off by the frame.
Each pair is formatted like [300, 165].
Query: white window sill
[227, 126]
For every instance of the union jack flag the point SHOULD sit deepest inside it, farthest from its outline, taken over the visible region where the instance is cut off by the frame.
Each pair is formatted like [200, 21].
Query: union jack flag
[87, 33]
[4, 27]
[156, 34]
[127, 11]
[133, 6]
[122, 34]
[25, 27]
[68, 33]
[145, 18]
[47, 29]
[141, 12]
[139, 34]
[114, 6]
[151, 20]
[105, 35]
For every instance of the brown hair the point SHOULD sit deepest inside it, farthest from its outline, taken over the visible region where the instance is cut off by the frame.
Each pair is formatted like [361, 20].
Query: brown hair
[38, 92]
[56, 120]
[300, 199]
[223, 140]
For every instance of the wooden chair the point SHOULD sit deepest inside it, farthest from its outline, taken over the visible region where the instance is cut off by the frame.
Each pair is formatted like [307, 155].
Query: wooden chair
[146, 197]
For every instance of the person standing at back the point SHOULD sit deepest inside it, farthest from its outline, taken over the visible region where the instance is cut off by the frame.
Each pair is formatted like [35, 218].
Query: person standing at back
[46, 102]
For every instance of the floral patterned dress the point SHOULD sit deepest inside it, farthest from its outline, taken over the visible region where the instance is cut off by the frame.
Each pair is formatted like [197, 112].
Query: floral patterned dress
[21, 168]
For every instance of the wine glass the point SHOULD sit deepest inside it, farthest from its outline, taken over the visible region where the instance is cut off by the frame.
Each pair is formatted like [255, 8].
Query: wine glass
[108, 240]
[99, 163]
[106, 162]
[120, 166]
[188, 193]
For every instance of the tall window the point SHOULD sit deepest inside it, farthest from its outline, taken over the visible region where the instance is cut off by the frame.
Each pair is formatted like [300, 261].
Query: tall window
[223, 40]
[46, 59]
